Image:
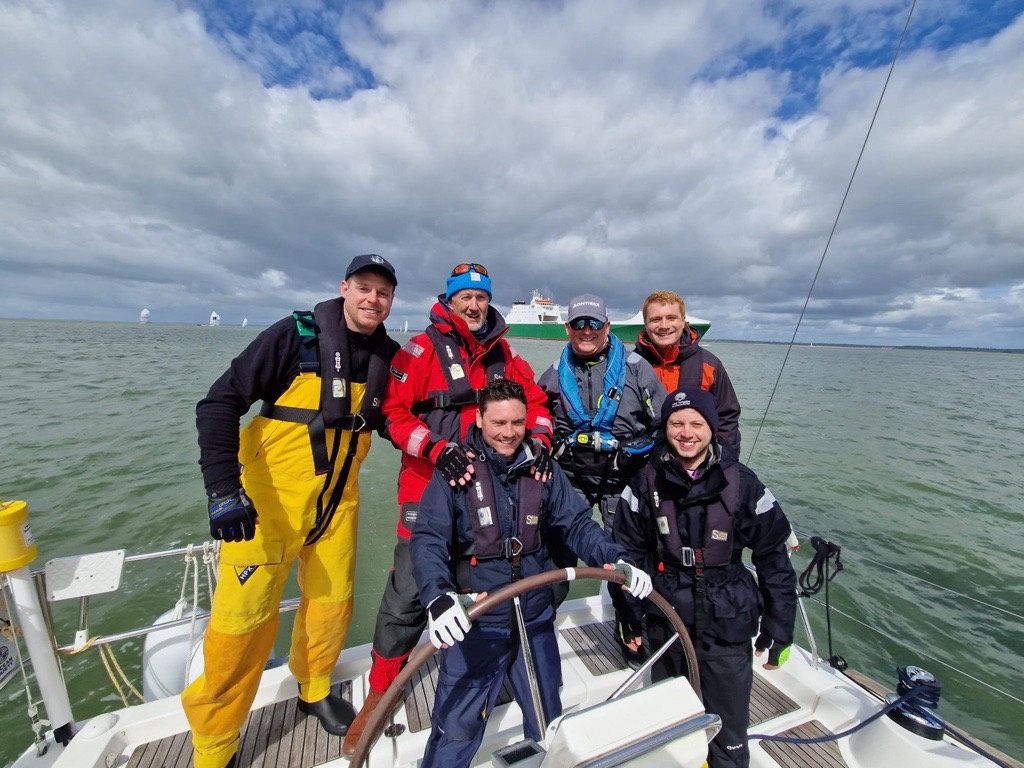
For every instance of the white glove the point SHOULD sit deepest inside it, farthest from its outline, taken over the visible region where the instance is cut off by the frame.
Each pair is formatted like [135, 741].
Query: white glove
[448, 619]
[638, 583]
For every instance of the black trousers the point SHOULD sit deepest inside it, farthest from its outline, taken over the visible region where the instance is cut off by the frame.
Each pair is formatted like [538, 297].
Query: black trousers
[400, 620]
[726, 677]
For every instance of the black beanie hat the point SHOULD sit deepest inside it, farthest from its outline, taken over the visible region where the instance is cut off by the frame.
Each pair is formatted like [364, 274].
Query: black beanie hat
[702, 402]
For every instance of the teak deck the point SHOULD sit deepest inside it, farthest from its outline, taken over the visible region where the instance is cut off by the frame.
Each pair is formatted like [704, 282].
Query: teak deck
[279, 736]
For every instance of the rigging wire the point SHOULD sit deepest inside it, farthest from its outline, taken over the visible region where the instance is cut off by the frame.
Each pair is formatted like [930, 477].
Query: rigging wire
[835, 225]
[919, 650]
[1010, 613]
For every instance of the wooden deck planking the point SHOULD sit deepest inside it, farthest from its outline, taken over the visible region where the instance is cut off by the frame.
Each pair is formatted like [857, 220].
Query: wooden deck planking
[824, 755]
[767, 701]
[279, 736]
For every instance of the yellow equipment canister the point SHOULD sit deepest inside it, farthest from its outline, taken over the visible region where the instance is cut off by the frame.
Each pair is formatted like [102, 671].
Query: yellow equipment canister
[17, 547]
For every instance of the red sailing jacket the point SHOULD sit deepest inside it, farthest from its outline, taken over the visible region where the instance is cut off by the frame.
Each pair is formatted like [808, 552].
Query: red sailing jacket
[417, 422]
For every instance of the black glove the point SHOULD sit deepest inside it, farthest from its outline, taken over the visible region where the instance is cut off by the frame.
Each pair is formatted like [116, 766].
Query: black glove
[777, 652]
[232, 516]
[453, 464]
[542, 461]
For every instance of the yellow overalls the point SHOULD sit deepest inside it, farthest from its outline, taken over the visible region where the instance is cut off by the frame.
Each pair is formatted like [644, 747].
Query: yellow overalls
[277, 474]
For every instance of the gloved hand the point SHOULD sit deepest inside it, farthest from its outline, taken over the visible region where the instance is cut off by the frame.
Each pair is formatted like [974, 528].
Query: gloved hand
[449, 621]
[638, 583]
[454, 465]
[542, 461]
[232, 516]
[777, 652]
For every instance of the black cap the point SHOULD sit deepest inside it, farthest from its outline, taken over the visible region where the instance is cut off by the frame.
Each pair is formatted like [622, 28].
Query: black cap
[372, 261]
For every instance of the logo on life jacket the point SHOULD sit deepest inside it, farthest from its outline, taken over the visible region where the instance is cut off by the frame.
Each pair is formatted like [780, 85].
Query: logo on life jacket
[719, 535]
[456, 371]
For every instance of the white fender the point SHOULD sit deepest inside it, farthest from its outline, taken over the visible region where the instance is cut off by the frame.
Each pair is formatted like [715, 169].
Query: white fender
[164, 655]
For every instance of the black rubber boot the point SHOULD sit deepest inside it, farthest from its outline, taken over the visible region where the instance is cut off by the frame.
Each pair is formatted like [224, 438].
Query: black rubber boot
[334, 713]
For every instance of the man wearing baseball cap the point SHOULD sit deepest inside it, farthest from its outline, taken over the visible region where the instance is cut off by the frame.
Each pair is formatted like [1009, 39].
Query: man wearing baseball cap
[286, 489]
[606, 402]
[686, 519]
[436, 381]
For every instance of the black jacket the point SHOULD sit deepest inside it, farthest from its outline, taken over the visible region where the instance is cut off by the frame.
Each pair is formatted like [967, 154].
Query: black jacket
[734, 602]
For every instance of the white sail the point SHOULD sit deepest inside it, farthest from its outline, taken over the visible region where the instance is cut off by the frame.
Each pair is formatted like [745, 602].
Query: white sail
[245, 321]
[144, 316]
[405, 328]
[214, 318]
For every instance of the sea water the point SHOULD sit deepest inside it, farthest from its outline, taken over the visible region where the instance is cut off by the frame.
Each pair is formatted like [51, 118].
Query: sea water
[908, 459]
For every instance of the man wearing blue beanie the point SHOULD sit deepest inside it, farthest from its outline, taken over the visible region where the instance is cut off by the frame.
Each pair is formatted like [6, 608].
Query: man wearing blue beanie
[431, 403]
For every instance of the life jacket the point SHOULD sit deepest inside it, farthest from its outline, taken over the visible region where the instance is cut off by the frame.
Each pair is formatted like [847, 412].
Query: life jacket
[454, 367]
[488, 542]
[717, 546]
[487, 530]
[323, 335]
[593, 433]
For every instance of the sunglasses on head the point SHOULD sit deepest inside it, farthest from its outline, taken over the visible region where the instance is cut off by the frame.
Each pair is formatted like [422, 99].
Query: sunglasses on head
[462, 269]
[582, 322]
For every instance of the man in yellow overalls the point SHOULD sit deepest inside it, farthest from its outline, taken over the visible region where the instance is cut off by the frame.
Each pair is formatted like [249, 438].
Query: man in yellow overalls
[286, 488]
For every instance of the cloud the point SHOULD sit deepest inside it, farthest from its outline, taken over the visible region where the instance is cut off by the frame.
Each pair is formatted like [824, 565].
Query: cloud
[186, 157]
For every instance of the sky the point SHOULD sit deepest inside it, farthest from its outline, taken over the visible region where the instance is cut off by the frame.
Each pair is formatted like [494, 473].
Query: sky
[199, 156]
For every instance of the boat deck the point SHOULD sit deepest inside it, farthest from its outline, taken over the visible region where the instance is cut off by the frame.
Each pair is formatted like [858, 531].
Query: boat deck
[280, 736]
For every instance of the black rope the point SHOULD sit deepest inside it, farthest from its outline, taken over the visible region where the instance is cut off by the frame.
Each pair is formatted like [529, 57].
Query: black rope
[816, 575]
[928, 695]
[919, 691]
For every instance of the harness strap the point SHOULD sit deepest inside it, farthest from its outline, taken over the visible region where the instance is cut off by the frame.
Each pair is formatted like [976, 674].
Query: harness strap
[314, 421]
[445, 401]
[325, 512]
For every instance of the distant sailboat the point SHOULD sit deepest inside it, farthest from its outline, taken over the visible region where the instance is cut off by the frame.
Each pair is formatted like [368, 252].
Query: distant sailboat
[245, 321]
[214, 318]
[405, 328]
[144, 316]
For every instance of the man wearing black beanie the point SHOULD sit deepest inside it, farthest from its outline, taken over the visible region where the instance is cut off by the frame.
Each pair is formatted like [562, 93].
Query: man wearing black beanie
[686, 519]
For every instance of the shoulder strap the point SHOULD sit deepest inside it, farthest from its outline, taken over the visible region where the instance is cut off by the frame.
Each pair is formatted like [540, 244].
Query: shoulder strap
[309, 360]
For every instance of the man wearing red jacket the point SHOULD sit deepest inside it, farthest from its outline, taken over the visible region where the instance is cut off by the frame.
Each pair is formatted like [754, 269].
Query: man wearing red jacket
[431, 404]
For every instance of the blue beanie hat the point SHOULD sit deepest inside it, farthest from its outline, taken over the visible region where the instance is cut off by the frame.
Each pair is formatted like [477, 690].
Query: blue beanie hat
[702, 402]
[471, 279]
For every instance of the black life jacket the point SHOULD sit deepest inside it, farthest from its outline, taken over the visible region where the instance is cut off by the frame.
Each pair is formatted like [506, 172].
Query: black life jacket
[488, 542]
[718, 546]
[454, 366]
